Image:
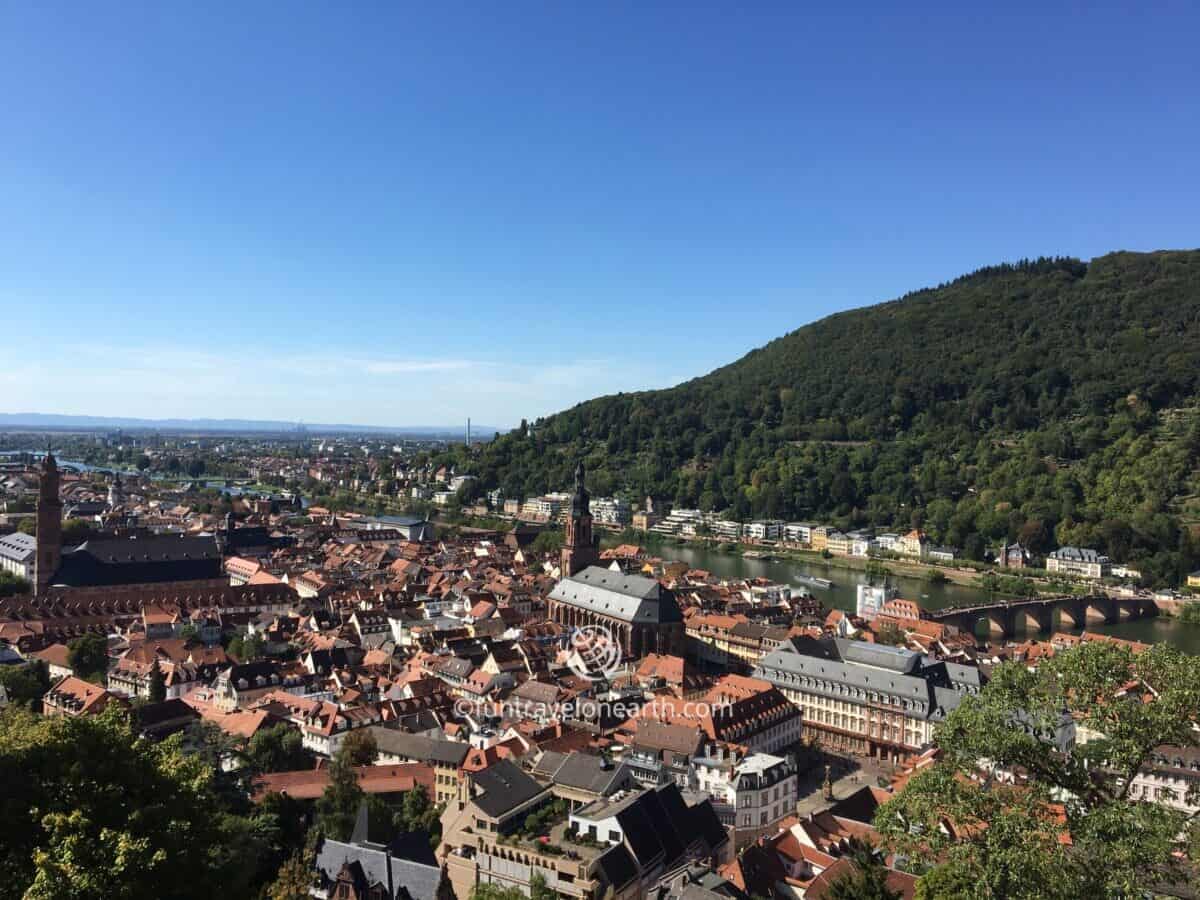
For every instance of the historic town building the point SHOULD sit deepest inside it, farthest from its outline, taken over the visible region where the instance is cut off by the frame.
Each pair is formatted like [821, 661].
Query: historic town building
[579, 548]
[865, 698]
[107, 561]
[49, 524]
[641, 614]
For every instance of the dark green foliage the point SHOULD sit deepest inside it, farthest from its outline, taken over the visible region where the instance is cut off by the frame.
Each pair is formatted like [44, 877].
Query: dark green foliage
[867, 879]
[245, 649]
[26, 684]
[158, 684]
[12, 585]
[91, 811]
[547, 542]
[1007, 841]
[419, 815]
[88, 656]
[277, 749]
[538, 821]
[360, 748]
[1048, 401]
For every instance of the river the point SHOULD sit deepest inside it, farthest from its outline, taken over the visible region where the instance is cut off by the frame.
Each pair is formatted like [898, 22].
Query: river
[843, 594]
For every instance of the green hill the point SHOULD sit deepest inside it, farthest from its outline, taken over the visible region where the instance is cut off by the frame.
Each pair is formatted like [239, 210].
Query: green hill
[1050, 401]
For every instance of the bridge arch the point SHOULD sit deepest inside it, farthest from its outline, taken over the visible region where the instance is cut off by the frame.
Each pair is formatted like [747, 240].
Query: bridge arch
[1098, 610]
[1033, 619]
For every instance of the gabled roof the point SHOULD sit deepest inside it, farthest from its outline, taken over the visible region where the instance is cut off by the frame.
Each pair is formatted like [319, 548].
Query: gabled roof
[631, 598]
[419, 747]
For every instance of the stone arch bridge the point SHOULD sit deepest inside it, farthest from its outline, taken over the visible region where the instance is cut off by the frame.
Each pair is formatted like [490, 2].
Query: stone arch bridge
[1006, 618]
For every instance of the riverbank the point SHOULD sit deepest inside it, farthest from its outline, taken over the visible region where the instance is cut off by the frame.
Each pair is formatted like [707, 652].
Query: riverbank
[915, 570]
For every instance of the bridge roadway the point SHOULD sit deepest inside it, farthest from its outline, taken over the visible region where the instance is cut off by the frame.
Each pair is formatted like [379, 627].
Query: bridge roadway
[1033, 614]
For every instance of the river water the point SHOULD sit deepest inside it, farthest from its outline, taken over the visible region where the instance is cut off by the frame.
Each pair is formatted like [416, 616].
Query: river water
[843, 594]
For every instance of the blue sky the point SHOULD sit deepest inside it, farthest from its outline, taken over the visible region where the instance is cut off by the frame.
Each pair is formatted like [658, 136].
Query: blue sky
[388, 213]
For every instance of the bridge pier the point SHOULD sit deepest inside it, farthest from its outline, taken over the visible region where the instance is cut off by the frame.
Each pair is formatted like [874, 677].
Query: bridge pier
[1005, 618]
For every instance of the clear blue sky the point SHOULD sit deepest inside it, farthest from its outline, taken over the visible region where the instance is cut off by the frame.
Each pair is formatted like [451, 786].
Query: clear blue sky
[389, 213]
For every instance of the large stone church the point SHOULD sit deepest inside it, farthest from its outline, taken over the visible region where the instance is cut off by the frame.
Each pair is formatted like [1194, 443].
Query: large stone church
[106, 561]
[641, 614]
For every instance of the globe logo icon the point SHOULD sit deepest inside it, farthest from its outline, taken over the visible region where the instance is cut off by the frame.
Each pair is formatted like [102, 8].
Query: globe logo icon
[594, 653]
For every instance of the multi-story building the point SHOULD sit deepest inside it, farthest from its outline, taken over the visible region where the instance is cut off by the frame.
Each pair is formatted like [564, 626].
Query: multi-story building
[445, 756]
[17, 552]
[725, 528]
[730, 641]
[75, 697]
[545, 508]
[915, 543]
[736, 710]
[887, 541]
[818, 537]
[763, 530]
[1171, 776]
[798, 532]
[680, 521]
[614, 511]
[616, 847]
[1079, 561]
[862, 545]
[865, 698]
[750, 792]
[838, 543]
[1013, 556]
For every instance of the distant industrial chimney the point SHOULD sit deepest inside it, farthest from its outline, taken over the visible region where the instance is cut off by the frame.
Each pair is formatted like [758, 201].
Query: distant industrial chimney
[468, 431]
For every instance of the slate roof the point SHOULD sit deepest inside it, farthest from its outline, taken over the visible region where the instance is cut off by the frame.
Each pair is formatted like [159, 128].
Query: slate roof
[418, 747]
[1078, 554]
[630, 598]
[378, 866]
[18, 546]
[586, 772]
[657, 822]
[139, 560]
[617, 866]
[505, 787]
[826, 666]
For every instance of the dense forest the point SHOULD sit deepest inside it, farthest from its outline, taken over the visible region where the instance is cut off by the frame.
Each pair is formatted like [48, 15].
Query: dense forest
[1052, 401]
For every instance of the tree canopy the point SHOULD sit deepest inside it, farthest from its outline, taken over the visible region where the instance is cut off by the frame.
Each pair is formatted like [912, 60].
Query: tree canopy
[88, 656]
[91, 811]
[1031, 795]
[1050, 401]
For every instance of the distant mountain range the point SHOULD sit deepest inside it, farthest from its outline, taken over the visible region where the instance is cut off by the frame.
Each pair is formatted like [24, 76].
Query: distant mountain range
[61, 422]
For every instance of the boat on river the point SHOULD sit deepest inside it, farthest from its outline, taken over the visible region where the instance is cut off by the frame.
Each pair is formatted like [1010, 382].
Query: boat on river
[813, 581]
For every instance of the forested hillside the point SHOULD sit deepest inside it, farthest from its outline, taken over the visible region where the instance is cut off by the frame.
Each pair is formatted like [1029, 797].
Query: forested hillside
[1051, 401]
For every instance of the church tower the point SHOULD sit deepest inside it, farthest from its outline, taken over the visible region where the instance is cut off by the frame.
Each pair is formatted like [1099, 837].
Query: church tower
[49, 525]
[116, 493]
[579, 548]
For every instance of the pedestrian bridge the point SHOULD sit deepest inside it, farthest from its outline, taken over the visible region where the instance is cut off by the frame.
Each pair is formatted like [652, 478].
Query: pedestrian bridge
[1007, 618]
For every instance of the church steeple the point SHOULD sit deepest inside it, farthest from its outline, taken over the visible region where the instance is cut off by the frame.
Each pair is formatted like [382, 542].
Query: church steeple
[579, 547]
[116, 494]
[49, 524]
